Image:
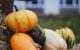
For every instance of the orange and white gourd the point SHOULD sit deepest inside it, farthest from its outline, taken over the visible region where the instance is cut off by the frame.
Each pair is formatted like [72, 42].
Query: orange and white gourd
[21, 21]
[54, 41]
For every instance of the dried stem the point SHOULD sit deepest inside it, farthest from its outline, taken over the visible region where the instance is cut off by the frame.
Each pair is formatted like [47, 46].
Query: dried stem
[42, 32]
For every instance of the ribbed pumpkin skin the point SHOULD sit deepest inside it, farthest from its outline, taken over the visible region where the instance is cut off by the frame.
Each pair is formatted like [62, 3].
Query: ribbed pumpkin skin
[54, 41]
[21, 41]
[67, 35]
[21, 21]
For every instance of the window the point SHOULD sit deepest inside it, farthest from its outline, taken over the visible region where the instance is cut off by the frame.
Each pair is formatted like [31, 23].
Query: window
[61, 1]
[69, 1]
[77, 1]
[34, 1]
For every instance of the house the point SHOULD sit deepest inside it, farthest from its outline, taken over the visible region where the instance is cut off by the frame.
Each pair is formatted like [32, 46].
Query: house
[54, 7]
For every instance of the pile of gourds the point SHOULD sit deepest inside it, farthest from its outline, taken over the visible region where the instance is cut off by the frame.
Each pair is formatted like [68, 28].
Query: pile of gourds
[28, 35]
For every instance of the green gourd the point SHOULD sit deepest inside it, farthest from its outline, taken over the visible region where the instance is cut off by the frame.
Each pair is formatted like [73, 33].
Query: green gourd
[38, 35]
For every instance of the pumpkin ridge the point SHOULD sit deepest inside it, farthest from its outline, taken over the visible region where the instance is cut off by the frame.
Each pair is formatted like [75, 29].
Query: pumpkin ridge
[7, 22]
[21, 29]
[29, 22]
[17, 24]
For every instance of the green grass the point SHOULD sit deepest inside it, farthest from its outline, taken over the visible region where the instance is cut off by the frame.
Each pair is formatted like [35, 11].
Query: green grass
[55, 23]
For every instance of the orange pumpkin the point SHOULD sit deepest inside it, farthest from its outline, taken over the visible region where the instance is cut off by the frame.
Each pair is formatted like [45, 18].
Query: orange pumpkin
[21, 41]
[21, 21]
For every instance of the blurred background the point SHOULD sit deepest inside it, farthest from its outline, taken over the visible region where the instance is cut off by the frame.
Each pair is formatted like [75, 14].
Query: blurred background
[54, 14]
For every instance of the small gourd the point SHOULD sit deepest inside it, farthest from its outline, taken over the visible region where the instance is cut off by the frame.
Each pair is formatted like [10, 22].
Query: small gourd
[68, 35]
[37, 35]
[54, 41]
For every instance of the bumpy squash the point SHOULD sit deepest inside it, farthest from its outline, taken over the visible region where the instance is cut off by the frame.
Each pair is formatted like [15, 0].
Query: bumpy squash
[22, 41]
[37, 36]
[67, 35]
[54, 41]
[21, 21]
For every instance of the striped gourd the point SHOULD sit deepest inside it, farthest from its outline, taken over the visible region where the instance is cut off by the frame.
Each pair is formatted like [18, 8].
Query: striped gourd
[67, 35]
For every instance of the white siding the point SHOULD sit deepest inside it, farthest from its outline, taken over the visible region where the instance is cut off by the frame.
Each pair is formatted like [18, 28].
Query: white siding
[79, 6]
[20, 4]
[52, 7]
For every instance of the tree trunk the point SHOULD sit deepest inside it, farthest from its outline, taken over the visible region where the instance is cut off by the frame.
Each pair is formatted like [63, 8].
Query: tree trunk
[6, 7]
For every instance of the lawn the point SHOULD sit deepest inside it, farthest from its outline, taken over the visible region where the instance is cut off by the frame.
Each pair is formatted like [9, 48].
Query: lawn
[55, 23]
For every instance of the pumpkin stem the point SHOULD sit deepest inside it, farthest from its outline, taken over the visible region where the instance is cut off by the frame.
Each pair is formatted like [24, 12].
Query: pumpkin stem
[16, 9]
[37, 45]
[42, 32]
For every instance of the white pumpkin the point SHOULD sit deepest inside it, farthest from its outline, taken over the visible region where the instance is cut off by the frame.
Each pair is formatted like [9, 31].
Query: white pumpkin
[54, 41]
